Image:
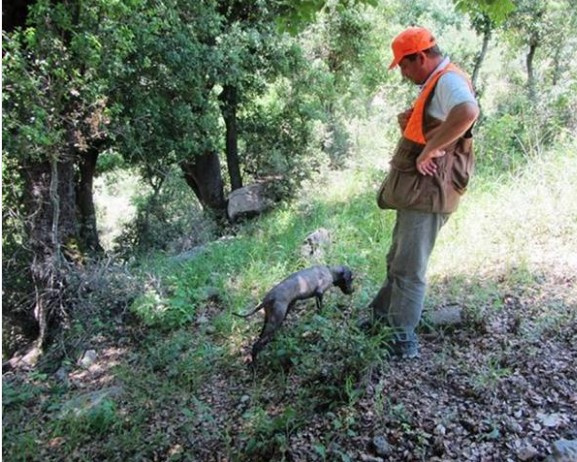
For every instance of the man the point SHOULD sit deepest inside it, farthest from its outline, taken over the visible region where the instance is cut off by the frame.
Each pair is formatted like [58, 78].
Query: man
[429, 172]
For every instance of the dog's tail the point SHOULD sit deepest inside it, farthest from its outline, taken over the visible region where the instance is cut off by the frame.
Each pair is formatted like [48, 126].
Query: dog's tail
[250, 313]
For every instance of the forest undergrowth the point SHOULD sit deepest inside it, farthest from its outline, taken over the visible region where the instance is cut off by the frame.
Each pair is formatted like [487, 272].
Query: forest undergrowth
[166, 380]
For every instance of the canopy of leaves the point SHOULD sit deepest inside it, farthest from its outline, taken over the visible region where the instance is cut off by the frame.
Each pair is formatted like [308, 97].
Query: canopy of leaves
[496, 11]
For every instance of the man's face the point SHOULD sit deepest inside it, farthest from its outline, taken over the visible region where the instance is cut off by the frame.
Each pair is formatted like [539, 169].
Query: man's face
[414, 70]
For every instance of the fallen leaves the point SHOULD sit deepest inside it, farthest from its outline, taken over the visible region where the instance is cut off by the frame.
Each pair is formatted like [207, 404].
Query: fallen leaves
[500, 388]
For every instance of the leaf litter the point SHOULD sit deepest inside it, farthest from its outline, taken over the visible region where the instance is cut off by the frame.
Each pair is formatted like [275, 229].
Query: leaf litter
[503, 386]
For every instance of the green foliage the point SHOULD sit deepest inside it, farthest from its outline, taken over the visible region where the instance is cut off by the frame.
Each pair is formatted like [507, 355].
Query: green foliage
[269, 435]
[152, 311]
[16, 282]
[54, 76]
[168, 218]
[346, 45]
[19, 394]
[110, 161]
[165, 89]
[490, 375]
[295, 15]
[303, 351]
[278, 136]
[496, 11]
[535, 26]
[28, 108]
[185, 376]
[95, 420]
[500, 144]
[54, 108]
[181, 359]
[300, 353]
[520, 130]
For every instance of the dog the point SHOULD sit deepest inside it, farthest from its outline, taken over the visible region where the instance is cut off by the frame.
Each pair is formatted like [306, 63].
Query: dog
[307, 283]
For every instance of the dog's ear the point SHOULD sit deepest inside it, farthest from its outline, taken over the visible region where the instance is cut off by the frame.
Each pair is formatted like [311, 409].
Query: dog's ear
[345, 279]
[345, 272]
[342, 273]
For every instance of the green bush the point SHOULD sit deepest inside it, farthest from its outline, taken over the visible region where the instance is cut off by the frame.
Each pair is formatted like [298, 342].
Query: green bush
[170, 219]
[278, 138]
[498, 144]
[96, 420]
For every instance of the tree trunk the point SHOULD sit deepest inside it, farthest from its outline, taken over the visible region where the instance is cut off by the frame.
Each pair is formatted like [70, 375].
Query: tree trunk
[487, 31]
[88, 233]
[203, 175]
[530, 70]
[14, 14]
[228, 107]
[556, 65]
[51, 230]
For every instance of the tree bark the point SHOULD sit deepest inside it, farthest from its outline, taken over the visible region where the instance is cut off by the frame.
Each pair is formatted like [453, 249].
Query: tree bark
[88, 232]
[203, 175]
[14, 14]
[51, 231]
[487, 31]
[228, 106]
[530, 70]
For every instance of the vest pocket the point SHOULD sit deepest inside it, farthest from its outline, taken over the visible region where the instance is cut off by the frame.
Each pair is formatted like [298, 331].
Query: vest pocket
[463, 164]
[400, 189]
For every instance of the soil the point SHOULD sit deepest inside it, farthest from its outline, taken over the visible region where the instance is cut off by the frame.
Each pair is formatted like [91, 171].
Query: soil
[502, 386]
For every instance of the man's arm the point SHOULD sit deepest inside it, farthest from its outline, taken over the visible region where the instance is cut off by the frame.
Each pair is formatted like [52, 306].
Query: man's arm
[459, 120]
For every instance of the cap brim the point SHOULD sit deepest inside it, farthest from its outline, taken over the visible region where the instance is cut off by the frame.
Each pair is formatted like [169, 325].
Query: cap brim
[394, 63]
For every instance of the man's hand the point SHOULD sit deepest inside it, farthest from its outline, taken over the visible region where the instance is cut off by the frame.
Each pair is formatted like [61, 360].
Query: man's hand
[426, 161]
[458, 121]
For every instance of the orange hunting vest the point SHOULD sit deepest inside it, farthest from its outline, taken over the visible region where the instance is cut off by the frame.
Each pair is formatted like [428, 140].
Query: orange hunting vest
[404, 188]
[414, 129]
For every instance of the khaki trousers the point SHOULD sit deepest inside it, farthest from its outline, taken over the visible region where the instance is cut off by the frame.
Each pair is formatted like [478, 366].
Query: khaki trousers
[399, 302]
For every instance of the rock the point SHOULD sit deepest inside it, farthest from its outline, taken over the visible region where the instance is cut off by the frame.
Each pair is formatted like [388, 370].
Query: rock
[205, 324]
[26, 359]
[369, 458]
[189, 254]
[248, 201]
[82, 404]
[440, 430]
[513, 426]
[446, 316]
[381, 446]
[527, 452]
[563, 451]
[87, 359]
[536, 427]
[62, 375]
[211, 294]
[175, 450]
[243, 402]
[315, 244]
[551, 420]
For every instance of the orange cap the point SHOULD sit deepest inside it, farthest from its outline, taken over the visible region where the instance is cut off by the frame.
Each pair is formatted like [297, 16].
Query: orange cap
[411, 40]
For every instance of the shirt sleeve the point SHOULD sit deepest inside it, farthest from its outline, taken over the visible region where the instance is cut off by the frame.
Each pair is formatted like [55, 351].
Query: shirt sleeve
[451, 89]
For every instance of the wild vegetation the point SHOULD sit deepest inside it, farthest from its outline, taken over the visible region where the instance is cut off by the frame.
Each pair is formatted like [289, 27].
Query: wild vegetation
[125, 126]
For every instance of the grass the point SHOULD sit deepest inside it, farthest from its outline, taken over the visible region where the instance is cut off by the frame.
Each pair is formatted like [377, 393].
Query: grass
[186, 376]
[516, 222]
